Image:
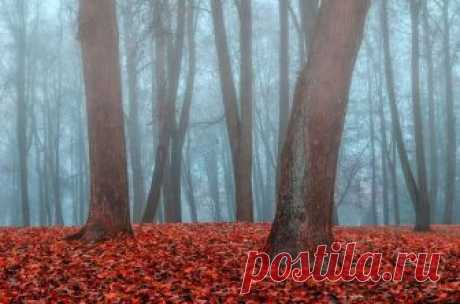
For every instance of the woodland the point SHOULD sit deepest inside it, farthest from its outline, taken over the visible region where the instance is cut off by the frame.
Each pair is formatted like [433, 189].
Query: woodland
[147, 146]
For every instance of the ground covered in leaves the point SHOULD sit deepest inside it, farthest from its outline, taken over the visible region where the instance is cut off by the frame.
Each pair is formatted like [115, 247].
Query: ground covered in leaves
[203, 263]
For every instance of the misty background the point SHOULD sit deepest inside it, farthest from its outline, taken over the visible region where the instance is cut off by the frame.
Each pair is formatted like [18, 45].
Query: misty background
[42, 91]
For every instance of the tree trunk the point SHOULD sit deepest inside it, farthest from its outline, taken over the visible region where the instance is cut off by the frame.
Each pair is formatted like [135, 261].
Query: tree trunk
[162, 151]
[239, 130]
[21, 111]
[424, 205]
[373, 160]
[284, 74]
[179, 132]
[394, 185]
[421, 221]
[451, 155]
[109, 209]
[133, 129]
[384, 159]
[308, 12]
[309, 158]
[434, 175]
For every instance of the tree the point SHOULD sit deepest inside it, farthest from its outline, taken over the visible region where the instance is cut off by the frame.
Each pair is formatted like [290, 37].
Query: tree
[422, 222]
[168, 62]
[451, 155]
[19, 32]
[134, 142]
[239, 127]
[309, 157]
[284, 73]
[109, 205]
[433, 148]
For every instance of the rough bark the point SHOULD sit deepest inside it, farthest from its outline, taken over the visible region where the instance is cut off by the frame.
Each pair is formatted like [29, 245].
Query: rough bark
[109, 206]
[309, 158]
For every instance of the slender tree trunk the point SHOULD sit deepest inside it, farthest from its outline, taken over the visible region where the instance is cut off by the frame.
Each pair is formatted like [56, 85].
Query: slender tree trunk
[434, 175]
[451, 155]
[133, 128]
[189, 189]
[421, 222]
[212, 174]
[162, 151]
[394, 185]
[308, 12]
[239, 130]
[424, 204]
[21, 111]
[178, 136]
[109, 209]
[309, 158]
[384, 159]
[284, 73]
[373, 160]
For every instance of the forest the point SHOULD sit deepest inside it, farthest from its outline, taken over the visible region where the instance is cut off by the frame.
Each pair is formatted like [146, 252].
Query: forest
[207, 151]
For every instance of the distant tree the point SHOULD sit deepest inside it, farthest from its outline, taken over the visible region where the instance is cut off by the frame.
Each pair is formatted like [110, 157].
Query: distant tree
[309, 158]
[109, 206]
[422, 216]
[133, 128]
[239, 122]
[451, 155]
[432, 146]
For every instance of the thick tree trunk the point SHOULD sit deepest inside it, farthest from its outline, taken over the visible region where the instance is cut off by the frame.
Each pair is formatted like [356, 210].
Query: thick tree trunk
[451, 155]
[109, 208]
[424, 206]
[309, 158]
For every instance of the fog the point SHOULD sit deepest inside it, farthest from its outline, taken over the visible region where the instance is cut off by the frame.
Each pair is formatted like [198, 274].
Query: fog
[44, 164]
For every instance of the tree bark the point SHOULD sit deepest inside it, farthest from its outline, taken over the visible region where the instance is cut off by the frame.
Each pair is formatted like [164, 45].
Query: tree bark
[309, 158]
[109, 208]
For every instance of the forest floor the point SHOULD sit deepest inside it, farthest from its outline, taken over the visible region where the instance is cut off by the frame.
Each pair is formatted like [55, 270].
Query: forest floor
[204, 263]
